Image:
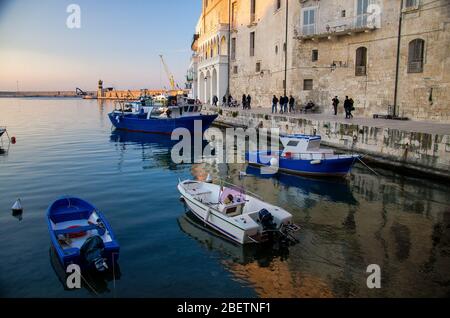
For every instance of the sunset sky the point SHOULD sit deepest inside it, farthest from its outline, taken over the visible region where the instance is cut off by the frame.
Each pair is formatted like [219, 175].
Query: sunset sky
[119, 42]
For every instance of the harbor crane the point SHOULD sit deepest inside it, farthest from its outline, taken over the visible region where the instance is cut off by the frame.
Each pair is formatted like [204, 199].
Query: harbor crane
[169, 74]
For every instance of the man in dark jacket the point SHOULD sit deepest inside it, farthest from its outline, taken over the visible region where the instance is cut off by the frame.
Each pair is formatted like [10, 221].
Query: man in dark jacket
[249, 102]
[291, 103]
[281, 104]
[335, 105]
[347, 106]
[274, 104]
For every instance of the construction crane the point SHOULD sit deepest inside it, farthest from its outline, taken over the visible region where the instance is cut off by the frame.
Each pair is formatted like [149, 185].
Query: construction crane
[169, 75]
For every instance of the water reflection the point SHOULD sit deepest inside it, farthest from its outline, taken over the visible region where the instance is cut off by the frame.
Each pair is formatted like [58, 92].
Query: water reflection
[94, 283]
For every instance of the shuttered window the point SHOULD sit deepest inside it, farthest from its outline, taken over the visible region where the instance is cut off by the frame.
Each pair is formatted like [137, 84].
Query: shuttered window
[415, 56]
[361, 62]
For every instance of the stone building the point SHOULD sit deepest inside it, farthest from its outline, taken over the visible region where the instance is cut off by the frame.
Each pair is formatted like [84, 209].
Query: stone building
[212, 50]
[350, 47]
[318, 49]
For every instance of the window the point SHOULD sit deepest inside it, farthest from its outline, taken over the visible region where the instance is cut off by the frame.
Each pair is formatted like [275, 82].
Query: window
[258, 67]
[233, 49]
[343, 13]
[307, 85]
[235, 69]
[361, 62]
[309, 21]
[234, 15]
[361, 13]
[293, 143]
[415, 56]
[315, 55]
[411, 4]
[276, 49]
[252, 44]
[277, 5]
[252, 11]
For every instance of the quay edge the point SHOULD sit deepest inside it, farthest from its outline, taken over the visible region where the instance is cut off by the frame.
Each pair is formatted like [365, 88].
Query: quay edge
[414, 152]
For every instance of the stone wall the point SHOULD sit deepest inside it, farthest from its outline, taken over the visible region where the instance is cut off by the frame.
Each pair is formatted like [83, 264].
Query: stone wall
[421, 96]
[421, 152]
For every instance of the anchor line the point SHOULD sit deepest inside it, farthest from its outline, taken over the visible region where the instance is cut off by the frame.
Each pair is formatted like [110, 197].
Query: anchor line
[373, 171]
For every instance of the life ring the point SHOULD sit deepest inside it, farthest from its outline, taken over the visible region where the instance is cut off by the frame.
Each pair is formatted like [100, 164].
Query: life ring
[76, 234]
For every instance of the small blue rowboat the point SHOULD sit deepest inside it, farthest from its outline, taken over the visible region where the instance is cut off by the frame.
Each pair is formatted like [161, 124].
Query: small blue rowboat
[81, 235]
[302, 155]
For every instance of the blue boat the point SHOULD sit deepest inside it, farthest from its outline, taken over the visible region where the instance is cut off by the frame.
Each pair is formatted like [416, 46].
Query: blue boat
[180, 113]
[81, 235]
[302, 155]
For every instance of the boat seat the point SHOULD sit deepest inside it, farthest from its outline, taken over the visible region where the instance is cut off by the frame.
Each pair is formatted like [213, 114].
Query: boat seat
[70, 214]
[201, 193]
[77, 230]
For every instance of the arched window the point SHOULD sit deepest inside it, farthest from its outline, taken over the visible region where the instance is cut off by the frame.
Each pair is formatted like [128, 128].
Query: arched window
[361, 62]
[415, 56]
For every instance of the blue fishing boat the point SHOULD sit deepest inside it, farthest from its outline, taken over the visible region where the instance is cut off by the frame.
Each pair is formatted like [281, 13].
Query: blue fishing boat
[180, 112]
[303, 155]
[81, 235]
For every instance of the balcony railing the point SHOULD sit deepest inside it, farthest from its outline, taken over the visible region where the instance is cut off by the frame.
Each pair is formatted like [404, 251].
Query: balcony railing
[340, 26]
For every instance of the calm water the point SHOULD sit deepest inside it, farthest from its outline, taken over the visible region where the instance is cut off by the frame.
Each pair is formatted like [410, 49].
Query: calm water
[65, 146]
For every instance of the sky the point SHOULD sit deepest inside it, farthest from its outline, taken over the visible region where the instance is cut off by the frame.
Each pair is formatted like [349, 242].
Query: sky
[119, 41]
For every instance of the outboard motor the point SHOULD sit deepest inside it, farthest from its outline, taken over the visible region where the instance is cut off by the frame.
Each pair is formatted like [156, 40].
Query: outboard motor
[266, 219]
[92, 253]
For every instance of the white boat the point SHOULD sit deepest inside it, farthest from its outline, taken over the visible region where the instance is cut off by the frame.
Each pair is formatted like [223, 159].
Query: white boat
[2, 131]
[240, 217]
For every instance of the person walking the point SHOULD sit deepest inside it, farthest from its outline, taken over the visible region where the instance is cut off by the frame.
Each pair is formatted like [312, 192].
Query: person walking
[285, 103]
[291, 103]
[281, 104]
[347, 105]
[230, 100]
[224, 100]
[244, 101]
[274, 104]
[335, 105]
[249, 102]
[215, 100]
[352, 108]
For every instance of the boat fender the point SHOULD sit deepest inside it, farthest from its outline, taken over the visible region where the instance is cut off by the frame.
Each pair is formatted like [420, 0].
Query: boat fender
[13, 140]
[77, 234]
[274, 162]
[316, 162]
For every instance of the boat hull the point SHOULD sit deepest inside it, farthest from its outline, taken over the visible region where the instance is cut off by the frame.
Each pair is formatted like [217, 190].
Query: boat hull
[160, 126]
[330, 167]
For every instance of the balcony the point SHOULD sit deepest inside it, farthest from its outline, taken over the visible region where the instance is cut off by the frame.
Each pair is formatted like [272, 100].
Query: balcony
[337, 27]
[218, 59]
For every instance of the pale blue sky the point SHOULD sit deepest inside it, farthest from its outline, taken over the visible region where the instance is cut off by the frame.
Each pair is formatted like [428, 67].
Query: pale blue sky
[119, 42]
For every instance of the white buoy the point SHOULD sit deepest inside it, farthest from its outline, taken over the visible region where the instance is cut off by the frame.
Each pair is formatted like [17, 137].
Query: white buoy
[17, 207]
[208, 179]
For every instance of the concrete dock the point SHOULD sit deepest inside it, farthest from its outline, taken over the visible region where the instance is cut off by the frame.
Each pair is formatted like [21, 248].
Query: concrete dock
[416, 146]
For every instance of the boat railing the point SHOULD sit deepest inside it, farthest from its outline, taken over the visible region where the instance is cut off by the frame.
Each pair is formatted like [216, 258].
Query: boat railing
[224, 182]
[315, 156]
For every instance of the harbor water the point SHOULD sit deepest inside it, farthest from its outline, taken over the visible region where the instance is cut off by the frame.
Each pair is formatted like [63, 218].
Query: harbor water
[67, 147]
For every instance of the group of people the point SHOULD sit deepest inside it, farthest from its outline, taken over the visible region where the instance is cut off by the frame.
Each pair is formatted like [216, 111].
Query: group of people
[284, 101]
[349, 106]
[246, 101]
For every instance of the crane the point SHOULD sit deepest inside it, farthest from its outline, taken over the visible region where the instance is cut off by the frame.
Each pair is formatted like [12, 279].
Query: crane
[169, 75]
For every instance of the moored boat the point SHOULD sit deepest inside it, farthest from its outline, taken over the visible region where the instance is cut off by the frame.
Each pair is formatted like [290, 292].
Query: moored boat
[81, 235]
[238, 216]
[303, 155]
[179, 113]
[2, 131]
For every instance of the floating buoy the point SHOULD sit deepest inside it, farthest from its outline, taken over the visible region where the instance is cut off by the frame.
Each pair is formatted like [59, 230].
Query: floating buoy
[13, 140]
[274, 162]
[17, 207]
